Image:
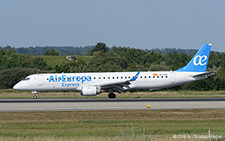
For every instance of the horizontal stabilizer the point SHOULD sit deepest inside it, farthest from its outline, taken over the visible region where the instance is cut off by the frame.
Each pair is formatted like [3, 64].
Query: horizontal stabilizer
[207, 74]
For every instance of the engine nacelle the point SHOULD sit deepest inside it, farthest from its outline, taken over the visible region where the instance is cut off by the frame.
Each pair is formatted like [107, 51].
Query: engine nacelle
[90, 91]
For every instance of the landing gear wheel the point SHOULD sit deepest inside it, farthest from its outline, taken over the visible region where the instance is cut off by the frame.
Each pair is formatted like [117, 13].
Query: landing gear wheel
[112, 95]
[35, 94]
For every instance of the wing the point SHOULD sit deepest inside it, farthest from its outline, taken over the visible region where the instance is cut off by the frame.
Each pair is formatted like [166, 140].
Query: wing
[118, 86]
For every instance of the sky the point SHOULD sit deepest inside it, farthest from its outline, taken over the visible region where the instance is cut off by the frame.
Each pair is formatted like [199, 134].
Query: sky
[144, 24]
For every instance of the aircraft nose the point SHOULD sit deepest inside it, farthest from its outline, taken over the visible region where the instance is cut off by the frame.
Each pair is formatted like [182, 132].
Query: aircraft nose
[16, 87]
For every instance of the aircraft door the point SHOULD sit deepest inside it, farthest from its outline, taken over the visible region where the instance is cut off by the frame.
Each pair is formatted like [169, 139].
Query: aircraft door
[39, 79]
[172, 76]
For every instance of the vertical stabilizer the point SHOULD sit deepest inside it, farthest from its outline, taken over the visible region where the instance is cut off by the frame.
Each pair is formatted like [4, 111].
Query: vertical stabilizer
[199, 62]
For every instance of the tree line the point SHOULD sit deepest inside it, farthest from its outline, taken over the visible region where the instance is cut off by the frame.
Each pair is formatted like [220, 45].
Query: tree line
[14, 66]
[72, 50]
[39, 50]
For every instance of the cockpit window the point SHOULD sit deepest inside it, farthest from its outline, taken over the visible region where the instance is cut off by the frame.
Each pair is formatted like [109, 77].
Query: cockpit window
[26, 79]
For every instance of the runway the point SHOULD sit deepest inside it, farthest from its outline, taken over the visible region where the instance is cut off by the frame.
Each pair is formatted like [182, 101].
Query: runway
[87, 104]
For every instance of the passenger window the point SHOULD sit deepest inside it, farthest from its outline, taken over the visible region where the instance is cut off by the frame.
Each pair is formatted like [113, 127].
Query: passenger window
[153, 76]
[94, 77]
[103, 77]
[145, 77]
[149, 77]
[117, 77]
[157, 76]
[125, 77]
[99, 77]
[121, 77]
[140, 76]
[113, 77]
[108, 77]
[162, 76]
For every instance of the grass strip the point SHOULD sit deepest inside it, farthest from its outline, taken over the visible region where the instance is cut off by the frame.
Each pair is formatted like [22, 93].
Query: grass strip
[10, 93]
[110, 124]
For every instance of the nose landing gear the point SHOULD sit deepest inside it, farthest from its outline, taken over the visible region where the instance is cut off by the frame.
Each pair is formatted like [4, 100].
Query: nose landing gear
[35, 94]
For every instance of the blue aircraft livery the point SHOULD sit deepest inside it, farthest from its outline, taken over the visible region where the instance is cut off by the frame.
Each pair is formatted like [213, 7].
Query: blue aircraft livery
[64, 78]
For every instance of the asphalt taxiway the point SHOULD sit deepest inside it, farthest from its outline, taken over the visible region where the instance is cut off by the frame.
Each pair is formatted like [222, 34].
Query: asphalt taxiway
[87, 104]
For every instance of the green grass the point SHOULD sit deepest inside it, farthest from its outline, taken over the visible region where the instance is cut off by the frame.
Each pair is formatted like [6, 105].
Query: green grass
[109, 124]
[10, 93]
[86, 59]
[52, 61]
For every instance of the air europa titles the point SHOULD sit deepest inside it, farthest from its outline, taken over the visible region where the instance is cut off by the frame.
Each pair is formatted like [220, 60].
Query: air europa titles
[65, 78]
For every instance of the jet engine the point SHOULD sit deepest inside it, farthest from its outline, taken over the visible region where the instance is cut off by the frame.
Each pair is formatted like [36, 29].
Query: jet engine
[90, 91]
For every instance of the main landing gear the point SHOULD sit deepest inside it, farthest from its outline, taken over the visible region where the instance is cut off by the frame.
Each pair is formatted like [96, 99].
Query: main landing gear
[35, 94]
[111, 95]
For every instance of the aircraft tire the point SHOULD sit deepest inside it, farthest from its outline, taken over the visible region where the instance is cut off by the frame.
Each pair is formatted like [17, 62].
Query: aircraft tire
[112, 95]
[34, 97]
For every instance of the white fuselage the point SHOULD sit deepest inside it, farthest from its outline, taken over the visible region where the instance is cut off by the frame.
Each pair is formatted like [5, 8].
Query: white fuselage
[76, 81]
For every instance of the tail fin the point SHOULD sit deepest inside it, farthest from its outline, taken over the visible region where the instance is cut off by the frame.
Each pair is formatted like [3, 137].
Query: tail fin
[199, 62]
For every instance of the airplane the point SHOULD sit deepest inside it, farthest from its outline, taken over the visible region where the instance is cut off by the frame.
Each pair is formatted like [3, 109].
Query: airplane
[92, 84]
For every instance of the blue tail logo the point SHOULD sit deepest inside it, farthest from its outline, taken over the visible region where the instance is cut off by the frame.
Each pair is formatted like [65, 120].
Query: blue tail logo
[199, 62]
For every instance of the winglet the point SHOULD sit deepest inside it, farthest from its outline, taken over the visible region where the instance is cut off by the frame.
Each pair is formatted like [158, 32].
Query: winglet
[135, 77]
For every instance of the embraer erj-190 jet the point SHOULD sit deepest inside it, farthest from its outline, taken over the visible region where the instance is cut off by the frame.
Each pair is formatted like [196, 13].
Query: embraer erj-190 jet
[91, 84]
